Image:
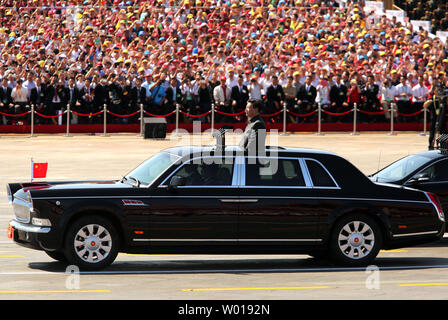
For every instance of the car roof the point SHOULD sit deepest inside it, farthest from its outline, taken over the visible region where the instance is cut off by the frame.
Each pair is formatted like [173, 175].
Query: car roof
[189, 150]
[432, 154]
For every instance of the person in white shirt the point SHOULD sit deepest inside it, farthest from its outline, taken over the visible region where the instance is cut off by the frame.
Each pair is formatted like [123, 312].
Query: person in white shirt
[387, 97]
[19, 94]
[19, 98]
[221, 96]
[265, 82]
[323, 93]
[419, 94]
[403, 93]
[232, 78]
[29, 84]
[254, 89]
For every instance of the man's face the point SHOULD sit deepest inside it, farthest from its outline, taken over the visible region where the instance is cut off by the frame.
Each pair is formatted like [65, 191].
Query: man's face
[251, 111]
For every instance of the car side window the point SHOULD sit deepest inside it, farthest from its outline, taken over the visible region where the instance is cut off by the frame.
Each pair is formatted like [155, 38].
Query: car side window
[319, 175]
[207, 173]
[437, 172]
[274, 172]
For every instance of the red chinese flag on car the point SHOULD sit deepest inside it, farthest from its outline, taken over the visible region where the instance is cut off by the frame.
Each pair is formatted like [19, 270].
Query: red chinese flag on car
[38, 170]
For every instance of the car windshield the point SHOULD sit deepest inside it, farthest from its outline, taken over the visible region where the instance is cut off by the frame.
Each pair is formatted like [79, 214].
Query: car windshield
[149, 170]
[400, 169]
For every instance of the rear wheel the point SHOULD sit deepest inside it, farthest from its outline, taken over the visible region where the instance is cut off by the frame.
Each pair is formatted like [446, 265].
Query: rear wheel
[91, 243]
[356, 240]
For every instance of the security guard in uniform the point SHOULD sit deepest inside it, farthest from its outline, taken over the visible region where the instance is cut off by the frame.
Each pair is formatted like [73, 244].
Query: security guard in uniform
[437, 108]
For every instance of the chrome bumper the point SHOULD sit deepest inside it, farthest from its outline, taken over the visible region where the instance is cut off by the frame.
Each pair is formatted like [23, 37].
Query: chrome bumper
[28, 227]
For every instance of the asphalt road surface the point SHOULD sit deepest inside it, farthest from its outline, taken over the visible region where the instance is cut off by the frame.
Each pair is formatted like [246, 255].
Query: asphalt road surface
[409, 273]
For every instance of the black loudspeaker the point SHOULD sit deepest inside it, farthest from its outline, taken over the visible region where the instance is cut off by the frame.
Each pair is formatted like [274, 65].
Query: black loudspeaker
[154, 128]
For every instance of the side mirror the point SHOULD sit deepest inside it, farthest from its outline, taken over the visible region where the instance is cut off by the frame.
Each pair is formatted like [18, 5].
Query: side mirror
[419, 178]
[176, 181]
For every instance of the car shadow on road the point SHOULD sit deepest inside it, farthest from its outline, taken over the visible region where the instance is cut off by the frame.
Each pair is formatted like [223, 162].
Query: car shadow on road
[216, 264]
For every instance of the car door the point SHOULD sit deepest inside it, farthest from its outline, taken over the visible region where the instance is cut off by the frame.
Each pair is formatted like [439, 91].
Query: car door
[276, 203]
[437, 175]
[196, 213]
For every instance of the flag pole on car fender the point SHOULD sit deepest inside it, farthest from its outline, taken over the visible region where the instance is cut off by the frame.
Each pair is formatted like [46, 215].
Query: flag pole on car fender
[38, 170]
[32, 169]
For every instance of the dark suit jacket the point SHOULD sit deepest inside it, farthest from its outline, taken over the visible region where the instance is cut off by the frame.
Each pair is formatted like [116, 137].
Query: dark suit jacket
[371, 93]
[5, 95]
[101, 97]
[86, 106]
[50, 93]
[241, 97]
[75, 96]
[138, 95]
[338, 95]
[254, 136]
[39, 97]
[169, 95]
[275, 94]
[307, 96]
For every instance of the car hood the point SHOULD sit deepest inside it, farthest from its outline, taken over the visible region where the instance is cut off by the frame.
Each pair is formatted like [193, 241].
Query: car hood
[67, 188]
[62, 185]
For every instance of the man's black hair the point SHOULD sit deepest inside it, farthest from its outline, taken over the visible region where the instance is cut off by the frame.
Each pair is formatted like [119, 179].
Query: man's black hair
[256, 104]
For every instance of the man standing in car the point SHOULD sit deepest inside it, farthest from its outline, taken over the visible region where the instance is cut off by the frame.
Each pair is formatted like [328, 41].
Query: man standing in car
[254, 136]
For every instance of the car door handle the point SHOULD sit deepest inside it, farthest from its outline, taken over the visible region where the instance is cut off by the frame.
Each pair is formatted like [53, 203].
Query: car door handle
[239, 200]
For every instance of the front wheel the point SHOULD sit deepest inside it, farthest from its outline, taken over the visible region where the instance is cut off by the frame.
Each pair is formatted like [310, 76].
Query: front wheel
[57, 255]
[356, 240]
[91, 243]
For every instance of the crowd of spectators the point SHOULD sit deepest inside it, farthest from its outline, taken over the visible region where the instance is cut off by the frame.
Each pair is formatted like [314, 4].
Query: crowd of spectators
[196, 53]
[428, 10]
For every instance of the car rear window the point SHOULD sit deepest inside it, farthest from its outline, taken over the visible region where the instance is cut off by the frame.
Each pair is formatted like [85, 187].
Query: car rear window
[319, 175]
[274, 172]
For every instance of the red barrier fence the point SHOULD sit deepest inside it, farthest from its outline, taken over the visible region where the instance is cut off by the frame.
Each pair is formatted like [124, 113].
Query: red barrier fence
[214, 110]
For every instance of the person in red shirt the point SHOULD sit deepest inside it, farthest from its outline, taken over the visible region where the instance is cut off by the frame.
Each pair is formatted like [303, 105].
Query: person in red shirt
[353, 94]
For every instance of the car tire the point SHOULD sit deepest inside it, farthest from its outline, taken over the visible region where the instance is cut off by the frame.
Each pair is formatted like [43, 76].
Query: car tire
[355, 241]
[91, 243]
[57, 255]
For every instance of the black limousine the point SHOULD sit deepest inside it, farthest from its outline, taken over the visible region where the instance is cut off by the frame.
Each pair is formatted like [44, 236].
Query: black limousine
[205, 200]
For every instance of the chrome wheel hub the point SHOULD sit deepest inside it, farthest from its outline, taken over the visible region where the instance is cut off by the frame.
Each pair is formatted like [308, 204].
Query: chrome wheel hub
[92, 243]
[356, 240]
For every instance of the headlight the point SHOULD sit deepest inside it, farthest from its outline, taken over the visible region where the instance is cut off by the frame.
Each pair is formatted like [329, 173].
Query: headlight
[30, 201]
[41, 222]
[9, 194]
